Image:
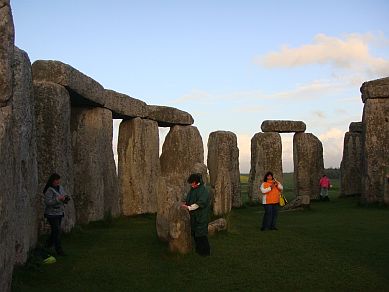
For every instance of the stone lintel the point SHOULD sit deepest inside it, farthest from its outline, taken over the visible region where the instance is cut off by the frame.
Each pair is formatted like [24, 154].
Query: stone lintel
[378, 88]
[283, 126]
[356, 127]
[169, 116]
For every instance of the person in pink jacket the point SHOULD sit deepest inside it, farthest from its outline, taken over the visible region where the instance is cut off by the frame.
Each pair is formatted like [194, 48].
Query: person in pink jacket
[325, 185]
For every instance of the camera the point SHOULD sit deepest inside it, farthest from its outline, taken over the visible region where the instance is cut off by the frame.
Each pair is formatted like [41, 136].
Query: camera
[66, 199]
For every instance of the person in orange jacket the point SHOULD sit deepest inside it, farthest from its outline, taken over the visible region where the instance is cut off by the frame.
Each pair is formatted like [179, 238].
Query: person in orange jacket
[271, 191]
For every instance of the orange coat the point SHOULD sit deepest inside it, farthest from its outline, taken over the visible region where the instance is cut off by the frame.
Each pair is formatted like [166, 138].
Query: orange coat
[270, 196]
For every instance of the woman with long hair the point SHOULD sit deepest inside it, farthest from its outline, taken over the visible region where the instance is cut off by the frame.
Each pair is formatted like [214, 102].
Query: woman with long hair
[271, 191]
[55, 198]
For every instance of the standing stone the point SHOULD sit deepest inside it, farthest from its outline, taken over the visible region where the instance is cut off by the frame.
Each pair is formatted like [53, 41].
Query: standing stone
[223, 165]
[308, 164]
[180, 240]
[54, 149]
[182, 150]
[266, 155]
[375, 150]
[7, 40]
[138, 151]
[95, 178]
[7, 199]
[351, 165]
[25, 153]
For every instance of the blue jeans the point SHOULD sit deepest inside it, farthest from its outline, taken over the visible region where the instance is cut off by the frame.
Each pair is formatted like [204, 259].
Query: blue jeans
[270, 216]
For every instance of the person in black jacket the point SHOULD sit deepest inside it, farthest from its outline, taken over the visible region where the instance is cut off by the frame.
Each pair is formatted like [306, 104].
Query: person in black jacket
[198, 204]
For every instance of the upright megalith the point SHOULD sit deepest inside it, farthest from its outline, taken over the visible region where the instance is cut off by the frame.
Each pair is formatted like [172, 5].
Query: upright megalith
[25, 154]
[308, 164]
[182, 152]
[7, 41]
[375, 119]
[223, 165]
[138, 156]
[95, 178]
[266, 155]
[54, 144]
[283, 126]
[351, 165]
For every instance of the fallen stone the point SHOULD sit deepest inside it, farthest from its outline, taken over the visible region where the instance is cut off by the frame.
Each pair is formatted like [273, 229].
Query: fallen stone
[298, 203]
[217, 226]
[281, 126]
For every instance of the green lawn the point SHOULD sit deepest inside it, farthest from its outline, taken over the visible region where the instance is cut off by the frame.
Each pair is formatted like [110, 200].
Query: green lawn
[335, 245]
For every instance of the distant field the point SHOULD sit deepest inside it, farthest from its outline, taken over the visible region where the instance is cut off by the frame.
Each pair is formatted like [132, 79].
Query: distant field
[333, 246]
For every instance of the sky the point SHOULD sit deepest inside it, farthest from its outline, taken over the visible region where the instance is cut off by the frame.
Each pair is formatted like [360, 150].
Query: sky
[230, 64]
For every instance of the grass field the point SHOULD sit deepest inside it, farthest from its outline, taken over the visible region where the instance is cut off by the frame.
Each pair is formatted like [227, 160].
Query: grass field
[334, 246]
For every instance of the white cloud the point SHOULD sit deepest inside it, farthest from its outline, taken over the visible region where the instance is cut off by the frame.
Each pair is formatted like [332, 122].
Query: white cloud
[332, 141]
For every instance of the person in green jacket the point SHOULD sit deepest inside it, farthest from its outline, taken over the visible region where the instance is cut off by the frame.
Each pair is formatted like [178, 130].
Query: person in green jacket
[198, 204]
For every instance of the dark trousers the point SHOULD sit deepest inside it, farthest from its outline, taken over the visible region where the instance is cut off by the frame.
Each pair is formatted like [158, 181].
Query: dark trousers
[270, 216]
[202, 245]
[55, 235]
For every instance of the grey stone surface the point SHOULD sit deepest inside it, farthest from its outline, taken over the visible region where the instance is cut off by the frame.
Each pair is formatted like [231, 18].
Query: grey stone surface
[124, 106]
[308, 164]
[7, 199]
[356, 127]
[7, 40]
[375, 150]
[169, 116]
[138, 151]
[375, 89]
[25, 153]
[223, 165]
[84, 91]
[54, 148]
[217, 226]
[180, 240]
[266, 155]
[351, 165]
[182, 150]
[95, 178]
[283, 126]
[298, 203]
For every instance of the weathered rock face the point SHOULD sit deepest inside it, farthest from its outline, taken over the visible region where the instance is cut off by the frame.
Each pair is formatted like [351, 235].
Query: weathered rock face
[7, 200]
[180, 240]
[223, 165]
[54, 149]
[266, 155]
[95, 179]
[298, 203]
[181, 152]
[25, 153]
[83, 89]
[216, 226]
[281, 126]
[351, 165]
[138, 150]
[169, 116]
[124, 106]
[308, 164]
[375, 149]
[7, 40]
[375, 89]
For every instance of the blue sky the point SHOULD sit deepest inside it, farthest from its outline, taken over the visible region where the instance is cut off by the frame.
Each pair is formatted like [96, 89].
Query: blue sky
[231, 64]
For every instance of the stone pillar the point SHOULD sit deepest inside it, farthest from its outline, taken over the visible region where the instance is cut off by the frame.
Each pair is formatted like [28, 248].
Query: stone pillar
[25, 153]
[351, 165]
[266, 155]
[54, 149]
[375, 95]
[308, 164]
[223, 165]
[182, 152]
[95, 178]
[138, 151]
[7, 191]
